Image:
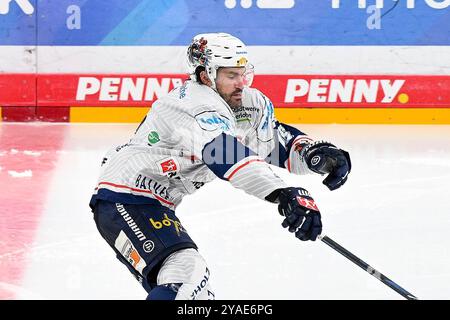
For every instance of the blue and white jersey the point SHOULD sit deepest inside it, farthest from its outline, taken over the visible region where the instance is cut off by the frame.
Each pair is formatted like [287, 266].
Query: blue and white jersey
[189, 138]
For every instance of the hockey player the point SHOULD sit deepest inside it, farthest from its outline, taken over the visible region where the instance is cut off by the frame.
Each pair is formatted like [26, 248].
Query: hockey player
[214, 125]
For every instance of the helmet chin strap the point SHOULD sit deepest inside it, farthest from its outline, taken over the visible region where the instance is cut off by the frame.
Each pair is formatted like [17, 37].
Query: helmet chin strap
[213, 86]
[212, 78]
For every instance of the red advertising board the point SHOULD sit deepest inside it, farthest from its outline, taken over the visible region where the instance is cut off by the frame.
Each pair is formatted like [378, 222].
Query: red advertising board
[330, 91]
[18, 90]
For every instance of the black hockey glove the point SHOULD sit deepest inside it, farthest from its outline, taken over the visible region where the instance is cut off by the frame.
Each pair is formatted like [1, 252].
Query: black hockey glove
[301, 213]
[325, 158]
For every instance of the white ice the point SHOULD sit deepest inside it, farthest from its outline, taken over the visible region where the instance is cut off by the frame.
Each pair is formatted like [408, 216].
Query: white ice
[394, 213]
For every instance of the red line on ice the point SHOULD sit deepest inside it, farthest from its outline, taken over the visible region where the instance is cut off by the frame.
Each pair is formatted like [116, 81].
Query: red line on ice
[22, 199]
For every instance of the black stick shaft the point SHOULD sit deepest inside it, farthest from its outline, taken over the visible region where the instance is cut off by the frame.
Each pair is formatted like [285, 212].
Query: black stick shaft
[391, 284]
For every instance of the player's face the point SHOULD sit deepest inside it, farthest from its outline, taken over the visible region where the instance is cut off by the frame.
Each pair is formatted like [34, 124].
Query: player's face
[229, 84]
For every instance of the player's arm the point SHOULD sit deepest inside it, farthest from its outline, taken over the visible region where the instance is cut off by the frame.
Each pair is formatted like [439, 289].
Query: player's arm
[230, 160]
[300, 154]
[297, 152]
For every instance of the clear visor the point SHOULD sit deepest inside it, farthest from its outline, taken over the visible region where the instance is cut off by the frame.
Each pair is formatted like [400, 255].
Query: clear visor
[248, 75]
[245, 74]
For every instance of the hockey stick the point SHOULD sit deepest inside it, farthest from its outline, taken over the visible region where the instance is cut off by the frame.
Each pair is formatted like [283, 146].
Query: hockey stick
[391, 284]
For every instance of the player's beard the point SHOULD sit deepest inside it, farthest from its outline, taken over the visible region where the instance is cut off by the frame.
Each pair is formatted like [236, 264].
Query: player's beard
[234, 99]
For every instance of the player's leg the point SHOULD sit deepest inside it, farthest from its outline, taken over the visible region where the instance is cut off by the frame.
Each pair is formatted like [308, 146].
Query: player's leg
[184, 275]
[142, 236]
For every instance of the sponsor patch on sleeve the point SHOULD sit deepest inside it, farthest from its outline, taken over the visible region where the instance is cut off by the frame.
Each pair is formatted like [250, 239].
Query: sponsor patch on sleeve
[168, 166]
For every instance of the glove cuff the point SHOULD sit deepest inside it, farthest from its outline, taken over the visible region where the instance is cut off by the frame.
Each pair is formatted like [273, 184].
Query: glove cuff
[295, 162]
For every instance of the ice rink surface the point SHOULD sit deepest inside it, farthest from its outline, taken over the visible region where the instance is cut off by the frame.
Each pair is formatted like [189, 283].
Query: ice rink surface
[394, 213]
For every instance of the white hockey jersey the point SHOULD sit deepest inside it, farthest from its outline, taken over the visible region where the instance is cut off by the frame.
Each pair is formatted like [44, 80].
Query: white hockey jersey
[166, 160]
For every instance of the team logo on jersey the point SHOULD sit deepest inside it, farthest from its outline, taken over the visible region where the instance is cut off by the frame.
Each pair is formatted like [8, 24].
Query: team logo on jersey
[153, 137]
[212, 120]
[168, 166]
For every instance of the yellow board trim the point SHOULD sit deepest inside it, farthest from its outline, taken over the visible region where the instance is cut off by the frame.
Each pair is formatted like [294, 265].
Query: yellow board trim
[286, 115]
[364, 116]
[107, 114]
[1, 118]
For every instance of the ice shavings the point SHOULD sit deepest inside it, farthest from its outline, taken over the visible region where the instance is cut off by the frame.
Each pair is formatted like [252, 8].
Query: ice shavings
[32, 153]
[23, 174]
